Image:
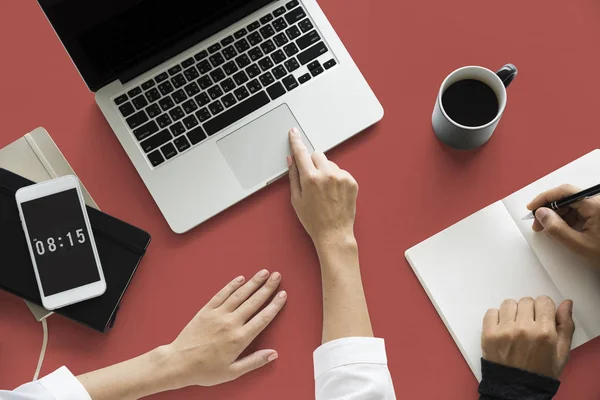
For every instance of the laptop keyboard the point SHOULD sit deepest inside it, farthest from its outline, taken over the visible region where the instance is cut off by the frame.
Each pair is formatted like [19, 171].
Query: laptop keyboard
[186, 104]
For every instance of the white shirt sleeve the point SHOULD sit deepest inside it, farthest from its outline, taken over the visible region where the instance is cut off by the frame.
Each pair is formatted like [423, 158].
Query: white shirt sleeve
[59, 385]
[353, 368]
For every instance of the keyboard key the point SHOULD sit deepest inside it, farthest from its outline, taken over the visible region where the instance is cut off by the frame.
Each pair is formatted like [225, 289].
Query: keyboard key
[265, 64]
[182, 143]
[201, 56]
[313, 52]
[121, 99]
[293, 32]
[317, 71]
[196, 135]
[205, 82]
[254, 86]
[156, 158]
[217, 75]
[278, 57]
[192, 89]
[166, 103]
[236, 113]
[229, 52]
[267, 31]
[308, 40]
[148, 84]
[304, 78]
[215, 92]
[187, 63]
[313, 65]
[202, 99]
[240, 78]
[291, 65]
[228, 40]
[176, 114]
[266, 79]
[156, 141]
[175, 70]
[215, 107]
[215, 47]
[276, 91]
[253, 71]
[291, 49]
[204, 67]
[134, 92]
[140, 102]
[203, 114]
[179, 96]
[292, 4]
[230, 68]
[290, 82]
[165, 88]
[295, 15]
[279, 72]
[153, 110]
[190, 121]
[280, 39]
[228, 85]
[126, 110]
[305, 25]
[279, 24]
[168, 150]
[179, 81]
[241, 33]
[255, 54]
[330, 63]
[228, 100]
[266, 19]
[242, 45]
[267, 46]
[253, 26]
[163, 121]
[241, 93]
[254, 38]
[191, 73]
[152, 95]
[145, 130]
[177, 129]
[137, 119]
[243, 61]
[161, 77]
[279, 11]
[189, 106]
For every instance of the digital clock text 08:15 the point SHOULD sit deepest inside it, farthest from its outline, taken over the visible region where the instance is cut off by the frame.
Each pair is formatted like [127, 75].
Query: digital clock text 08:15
[51, 244]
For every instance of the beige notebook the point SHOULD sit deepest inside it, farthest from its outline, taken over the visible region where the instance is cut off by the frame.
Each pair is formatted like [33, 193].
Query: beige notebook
[493, 255]
[36, 157]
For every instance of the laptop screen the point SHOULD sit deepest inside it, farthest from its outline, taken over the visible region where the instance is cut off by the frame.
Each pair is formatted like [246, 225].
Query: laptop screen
[112, 39]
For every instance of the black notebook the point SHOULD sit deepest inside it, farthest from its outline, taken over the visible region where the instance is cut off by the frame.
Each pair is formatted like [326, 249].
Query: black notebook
[121, 247]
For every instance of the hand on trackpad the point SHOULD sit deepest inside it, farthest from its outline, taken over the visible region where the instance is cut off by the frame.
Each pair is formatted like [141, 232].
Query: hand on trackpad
[257, 151]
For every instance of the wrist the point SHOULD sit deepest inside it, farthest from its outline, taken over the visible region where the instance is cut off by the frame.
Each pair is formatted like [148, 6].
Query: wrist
[335, 243]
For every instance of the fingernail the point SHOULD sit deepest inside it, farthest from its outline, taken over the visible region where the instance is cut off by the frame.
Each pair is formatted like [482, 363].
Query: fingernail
[571, 307]
[264, 273]
[272, 357]
[295, 131]
[289, 161]
[541, 214]
[283, 295]
[276, 276]
[239, 279]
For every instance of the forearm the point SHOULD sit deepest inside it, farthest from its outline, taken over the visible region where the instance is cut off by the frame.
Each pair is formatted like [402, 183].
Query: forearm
[133, 379]
[345, 312]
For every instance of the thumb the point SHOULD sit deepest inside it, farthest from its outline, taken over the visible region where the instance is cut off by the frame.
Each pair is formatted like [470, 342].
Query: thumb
[253, 361]
[556, 227]
[565, 327]
[294, 178]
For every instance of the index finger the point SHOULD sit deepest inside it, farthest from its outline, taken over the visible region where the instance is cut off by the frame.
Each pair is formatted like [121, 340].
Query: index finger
[555, 194]
[545, 309]
[300, 152]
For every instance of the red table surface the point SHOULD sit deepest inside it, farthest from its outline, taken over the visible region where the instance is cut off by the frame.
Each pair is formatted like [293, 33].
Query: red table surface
[411, 187]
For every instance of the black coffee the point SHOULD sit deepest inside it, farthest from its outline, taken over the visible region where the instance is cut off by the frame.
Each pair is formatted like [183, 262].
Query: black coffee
[470, 102]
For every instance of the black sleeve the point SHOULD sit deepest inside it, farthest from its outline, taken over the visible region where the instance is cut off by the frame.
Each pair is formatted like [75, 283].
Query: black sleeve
[506, 383]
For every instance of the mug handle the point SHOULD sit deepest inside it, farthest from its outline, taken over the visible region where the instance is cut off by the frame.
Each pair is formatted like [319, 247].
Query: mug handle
[507, 74]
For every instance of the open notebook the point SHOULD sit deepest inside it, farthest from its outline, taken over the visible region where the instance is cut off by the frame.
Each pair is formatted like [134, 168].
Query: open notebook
[494, 255]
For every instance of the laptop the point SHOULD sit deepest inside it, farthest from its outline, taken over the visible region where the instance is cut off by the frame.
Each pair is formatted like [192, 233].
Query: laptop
[201, 94]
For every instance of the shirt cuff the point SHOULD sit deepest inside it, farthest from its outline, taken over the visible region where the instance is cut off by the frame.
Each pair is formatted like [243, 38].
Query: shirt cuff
[346, 351]
[64, 386]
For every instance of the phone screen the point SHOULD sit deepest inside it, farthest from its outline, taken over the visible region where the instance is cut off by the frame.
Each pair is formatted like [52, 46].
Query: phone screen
[60, 241]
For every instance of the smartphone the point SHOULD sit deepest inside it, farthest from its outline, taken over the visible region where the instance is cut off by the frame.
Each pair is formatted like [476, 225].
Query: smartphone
[61, 243]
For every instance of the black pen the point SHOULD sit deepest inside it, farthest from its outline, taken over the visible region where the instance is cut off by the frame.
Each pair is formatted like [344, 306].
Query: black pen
[567, 201]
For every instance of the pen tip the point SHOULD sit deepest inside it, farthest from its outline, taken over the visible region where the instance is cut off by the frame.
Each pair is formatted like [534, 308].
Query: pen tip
[531, 215]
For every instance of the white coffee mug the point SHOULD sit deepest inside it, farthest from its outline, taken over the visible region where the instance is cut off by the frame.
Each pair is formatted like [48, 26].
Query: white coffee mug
[464, 137]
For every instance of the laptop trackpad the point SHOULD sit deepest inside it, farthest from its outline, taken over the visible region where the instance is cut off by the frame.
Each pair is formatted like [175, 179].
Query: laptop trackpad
[257, 151]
